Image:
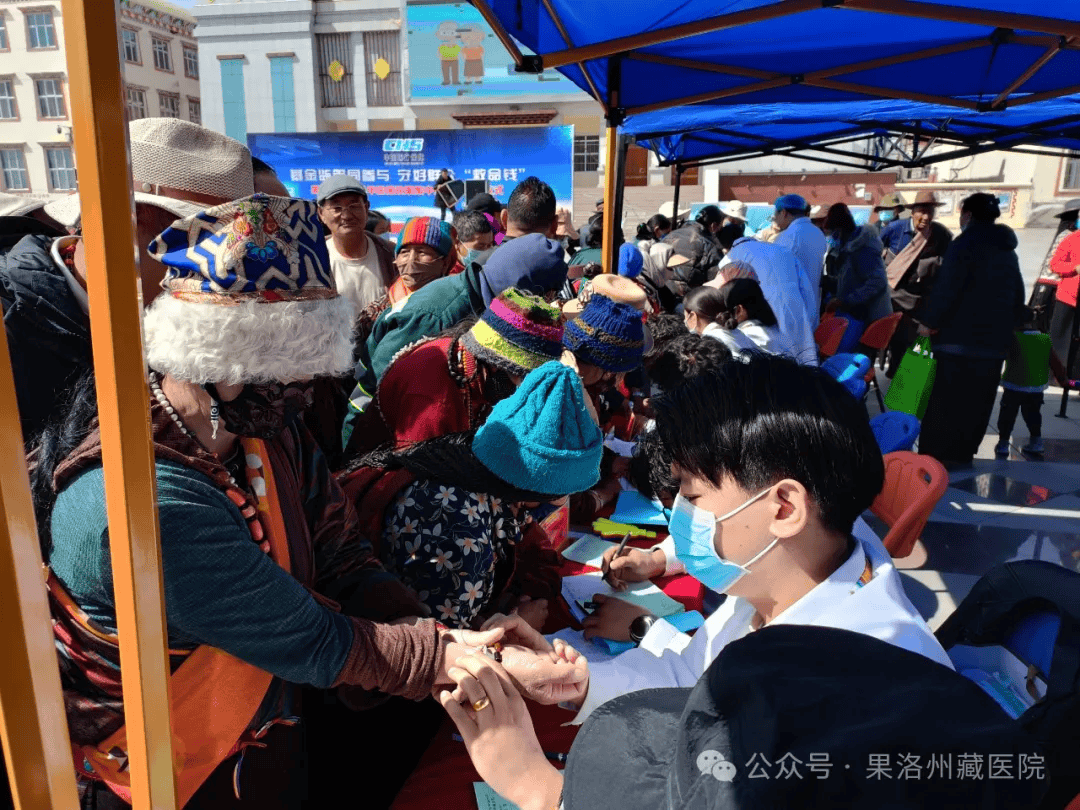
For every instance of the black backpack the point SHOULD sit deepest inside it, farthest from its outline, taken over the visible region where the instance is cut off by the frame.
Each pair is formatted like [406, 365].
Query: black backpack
[1000, 608]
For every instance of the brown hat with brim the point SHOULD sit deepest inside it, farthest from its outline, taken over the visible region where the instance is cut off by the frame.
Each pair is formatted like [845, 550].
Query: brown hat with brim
[927, 198]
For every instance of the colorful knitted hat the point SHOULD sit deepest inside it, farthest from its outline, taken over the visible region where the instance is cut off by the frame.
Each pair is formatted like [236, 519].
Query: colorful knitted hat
[542, 438]
[517, 333]
[607, 334]
[249, 297]
[427, 231]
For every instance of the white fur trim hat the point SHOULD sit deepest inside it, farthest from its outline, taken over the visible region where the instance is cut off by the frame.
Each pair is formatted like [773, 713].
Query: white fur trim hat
[249, 297]
[174, 154]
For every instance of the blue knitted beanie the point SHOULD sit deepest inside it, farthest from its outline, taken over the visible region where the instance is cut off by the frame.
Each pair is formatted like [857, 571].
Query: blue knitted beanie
[541, 438]
[607, 334]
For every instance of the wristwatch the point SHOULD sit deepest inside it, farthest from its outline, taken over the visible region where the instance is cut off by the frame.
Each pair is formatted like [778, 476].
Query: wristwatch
[639, 627]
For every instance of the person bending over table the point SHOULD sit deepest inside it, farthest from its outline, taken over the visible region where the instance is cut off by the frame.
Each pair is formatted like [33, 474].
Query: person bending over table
[775, 463]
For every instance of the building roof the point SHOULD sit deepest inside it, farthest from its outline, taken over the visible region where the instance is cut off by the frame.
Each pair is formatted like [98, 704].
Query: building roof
[163, 8]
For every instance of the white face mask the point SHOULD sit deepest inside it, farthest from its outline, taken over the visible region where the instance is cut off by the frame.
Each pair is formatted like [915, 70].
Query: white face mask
[693, 530]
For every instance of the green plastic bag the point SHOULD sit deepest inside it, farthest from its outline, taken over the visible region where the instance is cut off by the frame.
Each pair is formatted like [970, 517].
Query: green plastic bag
[911, 386]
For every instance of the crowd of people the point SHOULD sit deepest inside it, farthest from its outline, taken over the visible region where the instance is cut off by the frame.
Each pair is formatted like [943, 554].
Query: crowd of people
[368, 450]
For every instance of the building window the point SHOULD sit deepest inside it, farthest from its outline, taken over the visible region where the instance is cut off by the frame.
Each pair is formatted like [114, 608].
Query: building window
[335, 69]
[382, 76]
[586, 153]
[3, 34]
[191, 61]
[13, 162]
[9, 108]
[162, 57]
[131, 47]
[136, 103]
[281, 87]
[232, 95]
[168, 105]
[194, 110]
[61, 165]
[50, 96]
[39, 30]
[1070, 174]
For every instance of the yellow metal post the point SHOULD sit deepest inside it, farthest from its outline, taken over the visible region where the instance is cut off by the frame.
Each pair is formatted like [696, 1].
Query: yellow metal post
[32, 722]
[611, 180]
[91, 35]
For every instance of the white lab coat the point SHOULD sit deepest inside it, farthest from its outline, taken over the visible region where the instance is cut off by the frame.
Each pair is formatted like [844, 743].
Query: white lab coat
[787, 289]
[806, 240]
[668, 658]
[738, 342]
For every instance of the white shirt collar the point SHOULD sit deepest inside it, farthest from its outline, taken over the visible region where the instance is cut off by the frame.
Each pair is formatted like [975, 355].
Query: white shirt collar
[840, 583]
[76, 288]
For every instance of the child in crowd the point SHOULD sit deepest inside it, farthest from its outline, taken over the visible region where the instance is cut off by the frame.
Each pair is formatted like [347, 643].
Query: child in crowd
[1027, 374]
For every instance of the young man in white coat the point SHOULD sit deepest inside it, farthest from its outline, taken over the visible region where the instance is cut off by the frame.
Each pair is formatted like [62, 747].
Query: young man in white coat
[776, 461]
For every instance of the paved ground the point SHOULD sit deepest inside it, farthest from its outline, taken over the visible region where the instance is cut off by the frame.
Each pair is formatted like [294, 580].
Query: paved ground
[999, 510]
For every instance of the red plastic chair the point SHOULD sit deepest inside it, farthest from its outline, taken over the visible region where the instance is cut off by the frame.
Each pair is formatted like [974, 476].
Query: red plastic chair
[876, 339]
[913, 486]
[828, 335]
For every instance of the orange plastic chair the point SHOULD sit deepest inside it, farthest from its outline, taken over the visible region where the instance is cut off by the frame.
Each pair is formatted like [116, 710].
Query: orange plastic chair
[876, 337]
[828, 335]
[913, 486]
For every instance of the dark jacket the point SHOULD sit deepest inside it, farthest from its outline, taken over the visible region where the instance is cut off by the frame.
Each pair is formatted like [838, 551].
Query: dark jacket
[693, 241]
[861, 286]
[911, 291]
[430, 311]
[47, 331]
[978, 298]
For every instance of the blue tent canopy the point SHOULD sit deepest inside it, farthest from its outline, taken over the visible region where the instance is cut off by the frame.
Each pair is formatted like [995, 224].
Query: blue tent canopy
[973, 55]
[828, 132]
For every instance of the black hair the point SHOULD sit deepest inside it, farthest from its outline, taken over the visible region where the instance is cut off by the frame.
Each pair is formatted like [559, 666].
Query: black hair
[593, 233]
[470, 224]
[686, 357]
[709, 215]
[983, 207]
[532, 205]
[839, 218]
[769, 418]
[259, 166]
[747, 293]
[658, 221]
[707, 303]
[644, 231]
[54, 444]
[374, 220]
[728, 234]
[664, 328]
[650, 467]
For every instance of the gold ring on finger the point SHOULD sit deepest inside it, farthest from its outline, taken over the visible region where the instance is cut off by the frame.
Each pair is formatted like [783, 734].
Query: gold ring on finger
[481, 704]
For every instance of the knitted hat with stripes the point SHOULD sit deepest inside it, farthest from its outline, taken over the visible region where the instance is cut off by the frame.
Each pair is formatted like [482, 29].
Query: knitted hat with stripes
[517, 333]
[426, 231]
[607, 334]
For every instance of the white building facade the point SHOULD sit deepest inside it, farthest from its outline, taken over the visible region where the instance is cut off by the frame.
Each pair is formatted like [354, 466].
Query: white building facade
[160, 62]
[272, 66]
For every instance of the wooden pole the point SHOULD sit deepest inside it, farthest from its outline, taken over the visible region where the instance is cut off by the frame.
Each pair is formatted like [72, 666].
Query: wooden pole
[92, 34]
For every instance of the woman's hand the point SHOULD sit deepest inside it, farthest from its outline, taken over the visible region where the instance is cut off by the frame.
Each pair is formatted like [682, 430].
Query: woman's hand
[533, 611]
[612, 618]
[499, 735]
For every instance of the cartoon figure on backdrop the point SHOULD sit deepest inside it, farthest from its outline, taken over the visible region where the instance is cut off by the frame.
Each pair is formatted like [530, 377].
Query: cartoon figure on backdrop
[449, 50]
[472, 40]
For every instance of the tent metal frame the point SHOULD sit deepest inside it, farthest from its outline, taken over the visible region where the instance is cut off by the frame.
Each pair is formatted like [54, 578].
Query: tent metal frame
[1052, 35]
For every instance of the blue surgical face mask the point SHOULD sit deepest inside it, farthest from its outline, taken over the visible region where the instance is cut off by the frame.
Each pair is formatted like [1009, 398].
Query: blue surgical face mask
[886, 216]
[693, 530]
[833, 241]
[471, 257]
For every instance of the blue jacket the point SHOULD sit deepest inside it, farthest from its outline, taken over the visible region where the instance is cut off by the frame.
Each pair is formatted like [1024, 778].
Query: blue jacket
[862, 287]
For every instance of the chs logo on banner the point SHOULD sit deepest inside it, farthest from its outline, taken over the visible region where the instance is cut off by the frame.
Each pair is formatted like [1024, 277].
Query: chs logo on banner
[403, 145]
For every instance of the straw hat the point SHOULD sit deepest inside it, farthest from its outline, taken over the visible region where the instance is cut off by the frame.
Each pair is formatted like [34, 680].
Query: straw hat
[735, 209]
[889, 201]
[667, 208]
[926, 198]
[167, 153]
